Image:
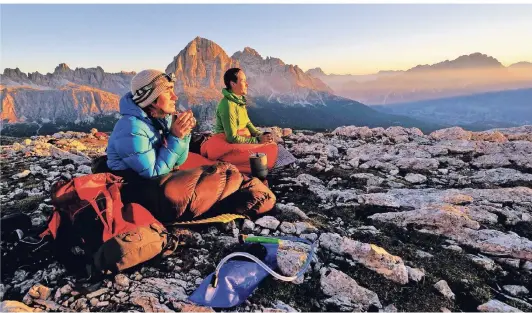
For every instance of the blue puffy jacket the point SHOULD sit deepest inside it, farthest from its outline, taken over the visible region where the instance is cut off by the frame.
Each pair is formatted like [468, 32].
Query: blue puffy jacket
[137, 143]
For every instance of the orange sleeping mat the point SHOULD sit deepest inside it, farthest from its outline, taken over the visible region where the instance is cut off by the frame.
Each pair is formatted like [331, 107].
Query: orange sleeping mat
[195, 160]
[217, 148]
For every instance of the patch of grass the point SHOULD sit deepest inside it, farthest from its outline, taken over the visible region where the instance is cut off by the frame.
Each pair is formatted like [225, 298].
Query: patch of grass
[297, 296]
[411, 297]
[468, 281]
[523, 229]
[516, 304]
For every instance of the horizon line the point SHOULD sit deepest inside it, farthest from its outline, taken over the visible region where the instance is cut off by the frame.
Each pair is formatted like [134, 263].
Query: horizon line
[377, 71]
[326, 72]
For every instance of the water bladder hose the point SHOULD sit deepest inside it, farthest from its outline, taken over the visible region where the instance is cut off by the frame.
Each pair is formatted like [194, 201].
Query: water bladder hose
[274, 240]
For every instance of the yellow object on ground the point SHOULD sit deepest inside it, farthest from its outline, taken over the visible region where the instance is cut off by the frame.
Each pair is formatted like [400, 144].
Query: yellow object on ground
[223, 218]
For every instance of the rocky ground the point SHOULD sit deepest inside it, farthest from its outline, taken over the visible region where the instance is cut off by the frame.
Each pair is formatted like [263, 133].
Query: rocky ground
[405, 222]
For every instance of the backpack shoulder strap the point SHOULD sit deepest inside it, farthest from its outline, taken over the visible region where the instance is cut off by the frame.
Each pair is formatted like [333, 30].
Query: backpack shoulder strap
[53, 225]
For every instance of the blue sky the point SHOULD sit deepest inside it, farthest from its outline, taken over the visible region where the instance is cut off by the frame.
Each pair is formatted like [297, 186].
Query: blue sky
[348, 38]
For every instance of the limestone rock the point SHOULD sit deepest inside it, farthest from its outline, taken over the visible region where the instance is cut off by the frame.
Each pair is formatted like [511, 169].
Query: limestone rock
[148, 302]
[290, 263]
[444, 289]
[121, 282]
[287, 228]
[248, 225]
[483, 261]
[40, 292]
[97, 293]
[21, 174]
[14, 306]
[415, 274]
[496, 306]
[453, 133]
[290, 211]
[415, 178]
[516, 290]
[371, 256]
[345, 293]
[268, 222]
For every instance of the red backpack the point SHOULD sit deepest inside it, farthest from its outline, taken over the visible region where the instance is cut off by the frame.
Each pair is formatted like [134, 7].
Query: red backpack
[89, 214]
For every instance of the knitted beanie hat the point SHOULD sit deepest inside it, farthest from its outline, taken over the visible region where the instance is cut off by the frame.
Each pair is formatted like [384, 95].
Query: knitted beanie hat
[147, 96]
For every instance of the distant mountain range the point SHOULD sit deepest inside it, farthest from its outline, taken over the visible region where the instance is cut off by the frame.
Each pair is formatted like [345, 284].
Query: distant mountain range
[63, 96]
[279, 93]
[479, 111]
[282, 94]
[521, 65]
[465, 75]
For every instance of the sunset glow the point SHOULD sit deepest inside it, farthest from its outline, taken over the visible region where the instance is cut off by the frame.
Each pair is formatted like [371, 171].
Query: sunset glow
[341, 39]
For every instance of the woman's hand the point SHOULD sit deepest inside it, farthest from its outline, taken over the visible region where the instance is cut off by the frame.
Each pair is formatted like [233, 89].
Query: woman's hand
[266, 138]
[183, 124]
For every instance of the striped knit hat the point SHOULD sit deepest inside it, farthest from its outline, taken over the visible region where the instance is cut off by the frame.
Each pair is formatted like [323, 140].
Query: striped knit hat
[147, 85]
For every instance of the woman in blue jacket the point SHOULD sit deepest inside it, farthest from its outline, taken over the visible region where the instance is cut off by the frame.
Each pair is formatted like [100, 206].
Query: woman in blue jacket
[146, 140]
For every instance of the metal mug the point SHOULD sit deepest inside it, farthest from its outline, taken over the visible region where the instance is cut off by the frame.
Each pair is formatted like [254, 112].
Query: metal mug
[259, 165]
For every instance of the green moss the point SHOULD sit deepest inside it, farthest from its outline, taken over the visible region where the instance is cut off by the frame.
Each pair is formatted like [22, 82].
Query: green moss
[468, 281]
[297, 296]
[411, 297]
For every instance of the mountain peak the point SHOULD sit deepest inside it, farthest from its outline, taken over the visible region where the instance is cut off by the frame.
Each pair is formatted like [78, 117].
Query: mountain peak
[316, 72]
[201, 64]
[473, 60]
[62, 67]
[478, 59]
[247, 55]
[201, 44]
[16, 71]
[522, 64]
[251, 51]
[14, 74]
[199, 39]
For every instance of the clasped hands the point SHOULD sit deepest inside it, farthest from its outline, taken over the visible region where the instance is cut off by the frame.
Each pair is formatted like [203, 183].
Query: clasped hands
[266, 138]
[183, 124]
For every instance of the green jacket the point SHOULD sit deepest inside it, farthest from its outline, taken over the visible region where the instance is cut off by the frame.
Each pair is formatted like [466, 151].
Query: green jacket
[232, 115]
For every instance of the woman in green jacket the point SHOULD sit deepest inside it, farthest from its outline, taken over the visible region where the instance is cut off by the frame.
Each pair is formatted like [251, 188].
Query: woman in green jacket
[235, 137]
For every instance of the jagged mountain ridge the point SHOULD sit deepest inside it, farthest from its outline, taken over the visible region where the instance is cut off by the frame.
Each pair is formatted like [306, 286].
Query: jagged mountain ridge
[465, 75]
[65, 95]
[200, 66]
[118, 83]
[474, 60]
[199, 69]
[263, 75]
[68, 103]
[277, 91]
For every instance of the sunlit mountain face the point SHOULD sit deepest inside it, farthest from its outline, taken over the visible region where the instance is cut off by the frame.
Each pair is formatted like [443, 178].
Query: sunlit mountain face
[279, 93]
